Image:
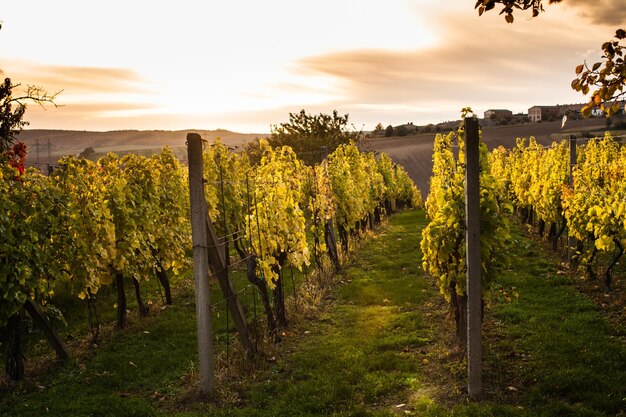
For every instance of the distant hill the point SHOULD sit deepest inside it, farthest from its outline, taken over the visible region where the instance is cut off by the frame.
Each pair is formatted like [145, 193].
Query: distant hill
[73, 142]
[412, 151]
[75, 139]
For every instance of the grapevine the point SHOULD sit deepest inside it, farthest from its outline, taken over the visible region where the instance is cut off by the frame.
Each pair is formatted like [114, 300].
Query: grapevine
[443, 239]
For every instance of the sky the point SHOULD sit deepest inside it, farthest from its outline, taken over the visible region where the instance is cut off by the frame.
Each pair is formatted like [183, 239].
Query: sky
[244, 65]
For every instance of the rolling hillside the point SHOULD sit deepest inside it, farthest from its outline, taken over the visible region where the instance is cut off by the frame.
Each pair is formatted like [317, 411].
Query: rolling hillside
[413, 152]
[72, 142]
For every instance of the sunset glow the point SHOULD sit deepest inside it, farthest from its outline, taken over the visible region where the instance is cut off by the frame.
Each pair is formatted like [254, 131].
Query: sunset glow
[244, 65]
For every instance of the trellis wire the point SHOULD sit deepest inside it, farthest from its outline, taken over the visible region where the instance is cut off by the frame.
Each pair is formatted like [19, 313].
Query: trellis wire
[254, 249]
[95, 329]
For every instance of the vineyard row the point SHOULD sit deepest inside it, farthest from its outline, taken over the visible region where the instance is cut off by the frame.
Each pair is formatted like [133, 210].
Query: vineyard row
[584, 199]
[117, 220]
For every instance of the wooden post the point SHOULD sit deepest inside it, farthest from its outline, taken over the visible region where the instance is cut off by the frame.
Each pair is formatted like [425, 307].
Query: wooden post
[571, 241]
[201, 265]
[331, 244]
[472, 242]
[53, 338]
[572, 158]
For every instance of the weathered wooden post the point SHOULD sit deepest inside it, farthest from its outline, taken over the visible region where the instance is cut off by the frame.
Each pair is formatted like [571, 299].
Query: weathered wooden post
[472, 242]
[201, 265]
[571, 241]
[44, 325]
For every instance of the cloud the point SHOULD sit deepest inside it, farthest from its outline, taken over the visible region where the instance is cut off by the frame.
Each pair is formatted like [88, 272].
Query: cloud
[483, 64]
[88, 94]
[76, 80]
[88, 79]
[84, 115]
[601, 12]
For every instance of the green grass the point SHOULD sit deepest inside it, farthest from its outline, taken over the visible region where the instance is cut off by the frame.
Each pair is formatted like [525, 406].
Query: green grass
[575, 361]
[377, 341]
[551, 345]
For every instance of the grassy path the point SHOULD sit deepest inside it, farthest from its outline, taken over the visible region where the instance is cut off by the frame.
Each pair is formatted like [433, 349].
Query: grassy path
[361, 355]
[378, 346]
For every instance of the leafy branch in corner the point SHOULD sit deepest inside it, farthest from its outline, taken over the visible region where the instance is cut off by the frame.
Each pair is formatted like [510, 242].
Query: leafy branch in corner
[510, 5]
[607, 77]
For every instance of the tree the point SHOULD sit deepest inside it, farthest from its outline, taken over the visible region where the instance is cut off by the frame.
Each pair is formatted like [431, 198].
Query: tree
[608, 77]
[389, 131]
[12, 109]
[379, 127]
[312, 137]
[87, 153]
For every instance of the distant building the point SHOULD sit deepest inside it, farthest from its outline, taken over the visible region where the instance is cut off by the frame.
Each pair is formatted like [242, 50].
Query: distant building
[572, 111]
[564, 109]
[539, 113]
[498, 113]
